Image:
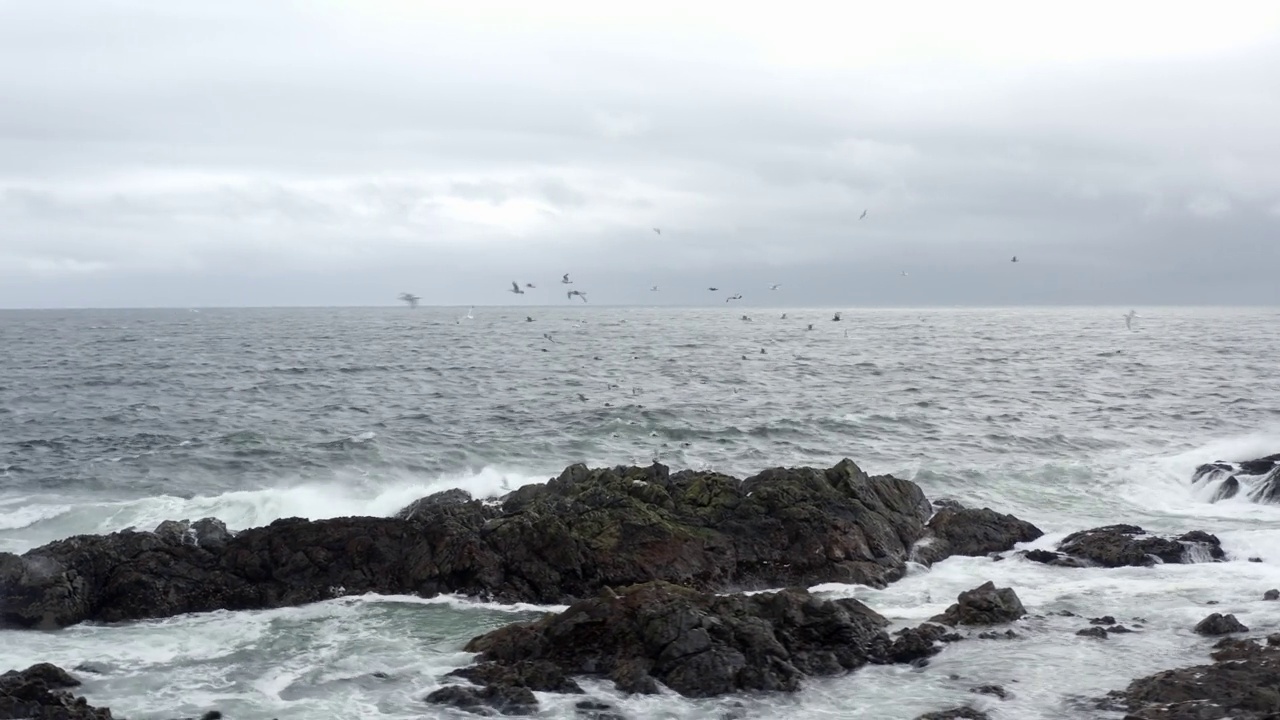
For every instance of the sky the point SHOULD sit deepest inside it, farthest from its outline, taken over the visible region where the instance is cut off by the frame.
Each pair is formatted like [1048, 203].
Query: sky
[279, 153]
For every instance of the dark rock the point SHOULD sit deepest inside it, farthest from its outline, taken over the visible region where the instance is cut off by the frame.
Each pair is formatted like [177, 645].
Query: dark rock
[1118, 629]
[995, 690]
[1261, 466]
[972, 532]
[540, 675]
[1236, 649]
[1130, 545]
[547, 543]
[420, 509]
[1097, 632]
[702, 644]
[510, 700]
[1271, 595]
[962, 713]
[1263, 474]
[40, 692]
[1244, 685]
[1006, 635]
[1218, 624]
[1255, 559]
[947, 504]
[593, 710]
[1227, 490]
[1104, 620]
[1273, 639]
[983, 605]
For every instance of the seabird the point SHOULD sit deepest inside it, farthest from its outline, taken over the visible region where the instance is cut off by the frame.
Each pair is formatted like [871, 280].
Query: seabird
[734, 297]
[531, 286]
[904, 273]
[784, 316]
[1015, 259]
[775, 286]
[566, 279]
[1128, 319]
[836, 318]
[410, 298]
[746, 318]
[713, 289]
[653, 289]
[515, 288]
[657, 231]
[810, 327]
[549, 338]
[579, 293]
[528, 318]
[863, 215]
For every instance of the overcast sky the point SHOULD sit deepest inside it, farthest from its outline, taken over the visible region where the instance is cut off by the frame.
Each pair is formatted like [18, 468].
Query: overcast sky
[253, 152]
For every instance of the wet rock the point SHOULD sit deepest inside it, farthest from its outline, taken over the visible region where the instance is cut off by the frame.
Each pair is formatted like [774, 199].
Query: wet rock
[510, 700]
[983, 605]
[1104, 620]
[1096, 632]
[1118, 629]
[41, 692]
[1048, 557]
[1219, 624]
[1244, 685]
[1006, 635]
[1271, 595]
[1273, 639]
[594, 710]
[972, 532]
[548, 543]
[420, 509]
[1260, 476]
[1130, 545]
[995, 690]
[1227, 490]
[1236, 649]
[1255, 559]
[961, 713]
[702, 644]
[541, 675]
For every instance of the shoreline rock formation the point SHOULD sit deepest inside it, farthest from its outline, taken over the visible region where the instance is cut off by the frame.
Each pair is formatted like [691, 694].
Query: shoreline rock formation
[552, 542]
[1259, 478]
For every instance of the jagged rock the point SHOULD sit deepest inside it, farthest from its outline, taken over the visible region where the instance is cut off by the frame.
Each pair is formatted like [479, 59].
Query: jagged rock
[1236, 649]
[1245, 685]
[1271, 595]
[1096, 632]
[40, 692]
[1006, 635]
[541, 675]
[1261, 478]
[419, 509]
[507, 700]
[1227, 490]
[593, 710]
[1130, 545]
[702, 644]
[1219, 624]
[546, 543]
[1118, 629]
[1048, 557]
[1104, 620]
[961, 713]
[983, 605]
[972, 532]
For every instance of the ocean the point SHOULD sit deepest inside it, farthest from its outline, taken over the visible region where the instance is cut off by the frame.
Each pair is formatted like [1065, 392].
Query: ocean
[123, 418]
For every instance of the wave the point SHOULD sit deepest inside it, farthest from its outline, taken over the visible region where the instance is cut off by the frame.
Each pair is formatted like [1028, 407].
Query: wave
[30, 521]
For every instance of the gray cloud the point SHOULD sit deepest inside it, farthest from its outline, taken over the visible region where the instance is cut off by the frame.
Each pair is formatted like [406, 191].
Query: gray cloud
[271, 153]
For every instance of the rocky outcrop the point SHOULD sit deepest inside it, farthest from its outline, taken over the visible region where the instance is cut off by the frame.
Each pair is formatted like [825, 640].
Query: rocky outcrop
[983, 605]
[973, 532]
[960, 713]
[547, 543]
[1219, 624]
[1243, 685]
[698, 644]
[1259, 479]
[41, 692]
[1130, 545]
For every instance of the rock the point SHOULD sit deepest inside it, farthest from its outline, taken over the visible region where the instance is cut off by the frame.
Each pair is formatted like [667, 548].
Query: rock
[1260, 478]
[1219, 624]
[1255, 559]
[1048, 557]
[541, 675]
[548, 543]
[420, 509]
[1096, 632]
[1227, 490]
[1118, 629]
[947, 504]
[995, 690]
[1130, 545]
[506, 700]
[40, 692]
[983, 605]
[1273, 639]
[1245, 685]
[1006, 635]
[962, 713]
[964, 531]
[702, 644]
[1271, 595]
[1236, 649]
[593, 710]
[1104, 620]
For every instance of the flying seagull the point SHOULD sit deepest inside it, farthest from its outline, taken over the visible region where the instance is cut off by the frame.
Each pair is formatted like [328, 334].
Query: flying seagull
[904, 273]
[863, 215]
[734, 297]
[657, 231]
[579, 293]
[836, 318]
[515, 288]
[410, 298]
[713, 289]
[549, 338]
[566, 279]
[653, 289]
[531, 286]
[775, 286]
[1128, 319]
[1015, 259]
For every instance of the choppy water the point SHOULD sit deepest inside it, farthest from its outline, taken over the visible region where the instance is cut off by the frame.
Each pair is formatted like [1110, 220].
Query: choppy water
[111, 419]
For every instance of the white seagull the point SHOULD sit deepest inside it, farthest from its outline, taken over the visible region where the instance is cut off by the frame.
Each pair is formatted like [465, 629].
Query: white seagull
[579, 293]
[515, 288]
[653, 289]
[1128, 319]
[410, 298]
[775, 286]
[566, 279]
[863, 215]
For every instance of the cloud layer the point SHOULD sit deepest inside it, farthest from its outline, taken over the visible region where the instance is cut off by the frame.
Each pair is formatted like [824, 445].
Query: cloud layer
[251, 153]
